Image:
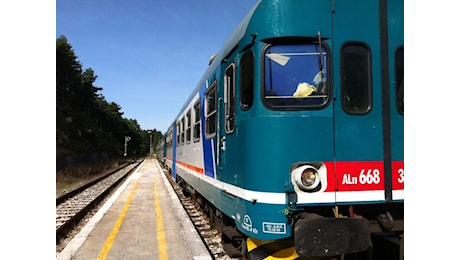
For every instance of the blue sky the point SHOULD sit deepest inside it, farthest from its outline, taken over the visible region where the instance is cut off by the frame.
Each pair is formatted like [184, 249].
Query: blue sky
[148, 55]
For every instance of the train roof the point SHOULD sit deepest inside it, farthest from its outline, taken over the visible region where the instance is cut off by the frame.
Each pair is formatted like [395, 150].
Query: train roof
[229, 45]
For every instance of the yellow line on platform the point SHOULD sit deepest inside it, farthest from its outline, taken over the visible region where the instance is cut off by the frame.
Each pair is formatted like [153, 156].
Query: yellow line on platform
[109, 242]
[161, 236]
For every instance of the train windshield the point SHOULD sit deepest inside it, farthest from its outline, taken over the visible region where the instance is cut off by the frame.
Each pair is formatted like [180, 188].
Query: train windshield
[295, 76]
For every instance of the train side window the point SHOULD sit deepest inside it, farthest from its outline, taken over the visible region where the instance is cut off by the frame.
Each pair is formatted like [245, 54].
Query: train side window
[178, 134]
[229, 98]
[169, 139]
[196, 123]
[182, 131]
[188, 126]
[356, 78]
[399, 67]
[247, 80]
[211, 111]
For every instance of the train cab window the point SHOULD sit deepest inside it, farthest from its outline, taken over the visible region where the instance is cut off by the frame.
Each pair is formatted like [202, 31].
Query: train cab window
[356, 78]
[229, 98]
[196, 123]
[247, 80]
[295, 76]
[399, 66]
[211, 111]
[188, 128]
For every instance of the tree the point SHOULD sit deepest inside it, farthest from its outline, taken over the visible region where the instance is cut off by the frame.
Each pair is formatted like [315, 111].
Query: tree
[88, 92]
[68, 71]
[86, 122]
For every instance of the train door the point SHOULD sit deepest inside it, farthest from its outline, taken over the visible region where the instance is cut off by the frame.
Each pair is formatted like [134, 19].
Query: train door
[227, 123]
[209, 99]
[360, 131]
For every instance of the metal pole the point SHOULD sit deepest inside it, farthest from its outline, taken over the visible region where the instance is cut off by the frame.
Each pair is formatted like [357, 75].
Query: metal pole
[150, 144]
[127, 138]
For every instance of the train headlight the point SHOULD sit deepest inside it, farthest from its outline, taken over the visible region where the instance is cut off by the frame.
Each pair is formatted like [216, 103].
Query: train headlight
[307, 177]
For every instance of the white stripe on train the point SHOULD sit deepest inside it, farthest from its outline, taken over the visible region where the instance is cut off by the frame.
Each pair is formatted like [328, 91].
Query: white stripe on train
[302, 198]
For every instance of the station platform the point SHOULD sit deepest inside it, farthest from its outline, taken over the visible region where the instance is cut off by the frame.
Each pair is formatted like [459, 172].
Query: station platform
[142, 220]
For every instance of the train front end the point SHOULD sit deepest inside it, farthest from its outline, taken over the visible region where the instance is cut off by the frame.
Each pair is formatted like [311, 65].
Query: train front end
[315, 152]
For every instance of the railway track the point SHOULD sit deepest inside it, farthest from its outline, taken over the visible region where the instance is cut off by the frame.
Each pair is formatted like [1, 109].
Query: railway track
[73, 206]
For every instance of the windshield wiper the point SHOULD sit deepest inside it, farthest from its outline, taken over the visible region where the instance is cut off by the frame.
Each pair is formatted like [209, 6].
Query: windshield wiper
[319, 79]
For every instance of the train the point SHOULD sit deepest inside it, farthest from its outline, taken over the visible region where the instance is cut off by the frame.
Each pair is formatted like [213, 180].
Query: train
[293, 139]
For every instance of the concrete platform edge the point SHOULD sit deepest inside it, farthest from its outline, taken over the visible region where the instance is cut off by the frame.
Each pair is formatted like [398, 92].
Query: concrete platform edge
[197, 246]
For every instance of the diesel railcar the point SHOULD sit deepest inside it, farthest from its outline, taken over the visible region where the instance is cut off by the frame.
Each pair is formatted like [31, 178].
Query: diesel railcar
[294, 136]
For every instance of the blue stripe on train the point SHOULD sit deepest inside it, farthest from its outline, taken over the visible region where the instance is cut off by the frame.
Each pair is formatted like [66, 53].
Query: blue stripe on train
[207, 143]
[174, 145]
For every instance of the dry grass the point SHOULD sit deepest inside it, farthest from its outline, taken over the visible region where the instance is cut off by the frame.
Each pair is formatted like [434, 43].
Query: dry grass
[71, 178]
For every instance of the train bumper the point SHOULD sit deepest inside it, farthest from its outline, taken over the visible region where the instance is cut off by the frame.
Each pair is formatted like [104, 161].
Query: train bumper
[316, 236]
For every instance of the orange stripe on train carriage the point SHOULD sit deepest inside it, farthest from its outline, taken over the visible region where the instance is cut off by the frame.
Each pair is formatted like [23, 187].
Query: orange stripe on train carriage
[191, 167]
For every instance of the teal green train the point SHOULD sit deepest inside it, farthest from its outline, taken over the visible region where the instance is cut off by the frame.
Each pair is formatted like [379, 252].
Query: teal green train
[293, 139]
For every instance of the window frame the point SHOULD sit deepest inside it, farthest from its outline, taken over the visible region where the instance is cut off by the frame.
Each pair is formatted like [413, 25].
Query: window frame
[247, 87]
[188, 127]
[197, 121]
[178, 133]
[399, 81]
[182, 131]
[169, 138]
[345, 90]
[210, 115]
[327, 87]
[229, 98]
